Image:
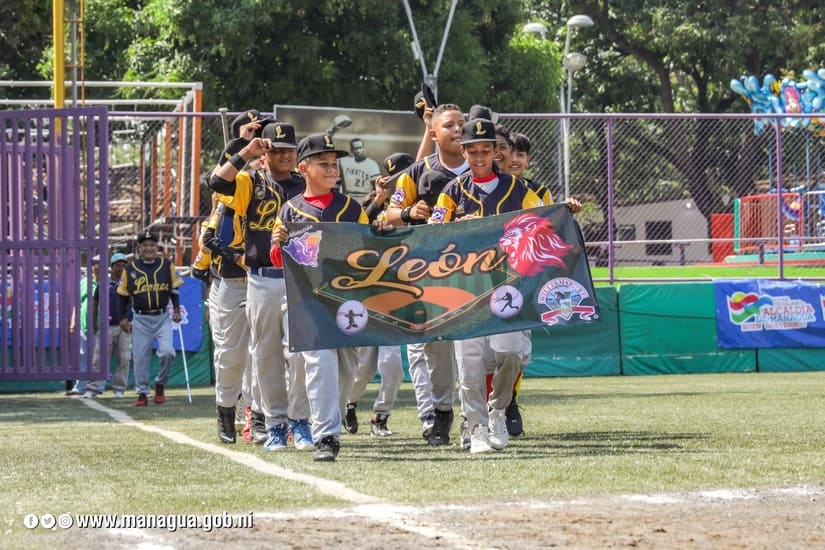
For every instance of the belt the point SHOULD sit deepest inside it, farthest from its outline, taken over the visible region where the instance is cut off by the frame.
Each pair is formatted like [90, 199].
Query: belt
[270, 272]
[149, 311]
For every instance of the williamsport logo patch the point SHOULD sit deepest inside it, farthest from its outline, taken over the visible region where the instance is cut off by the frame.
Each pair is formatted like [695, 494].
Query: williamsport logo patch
[563, 297]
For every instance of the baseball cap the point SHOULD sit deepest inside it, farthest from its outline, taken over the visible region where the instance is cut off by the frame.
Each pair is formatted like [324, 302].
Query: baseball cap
[118, 257]
[423, 99]
[146, 235]
[281, 134]
[316, 144]
[480, 111]
[433, 181]
[419, 104]
[397, 162]
[478, 130]
[250, 115]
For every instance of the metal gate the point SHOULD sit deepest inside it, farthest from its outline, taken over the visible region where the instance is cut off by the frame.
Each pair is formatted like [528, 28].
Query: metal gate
[54, 166]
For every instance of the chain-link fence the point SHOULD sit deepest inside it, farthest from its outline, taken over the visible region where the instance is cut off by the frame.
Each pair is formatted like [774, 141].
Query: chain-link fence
[657, 190]
[674, 190]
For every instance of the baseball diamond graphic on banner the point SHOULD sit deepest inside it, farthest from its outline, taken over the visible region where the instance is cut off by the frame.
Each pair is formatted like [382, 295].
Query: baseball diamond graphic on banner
[358, 287]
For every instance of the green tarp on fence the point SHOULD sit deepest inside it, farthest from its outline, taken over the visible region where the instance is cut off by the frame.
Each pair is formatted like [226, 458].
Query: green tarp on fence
[671, 329]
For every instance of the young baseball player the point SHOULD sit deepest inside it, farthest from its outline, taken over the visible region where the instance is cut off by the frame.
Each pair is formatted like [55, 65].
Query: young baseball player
[432, 365]
[485, 191]
[257, 197]
[150, 283]
[329, 372]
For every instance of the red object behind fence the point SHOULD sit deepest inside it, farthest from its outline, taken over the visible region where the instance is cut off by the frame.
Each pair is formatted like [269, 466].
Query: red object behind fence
[721, 227]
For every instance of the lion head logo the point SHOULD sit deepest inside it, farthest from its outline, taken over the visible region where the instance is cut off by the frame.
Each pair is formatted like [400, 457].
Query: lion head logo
[531, 244]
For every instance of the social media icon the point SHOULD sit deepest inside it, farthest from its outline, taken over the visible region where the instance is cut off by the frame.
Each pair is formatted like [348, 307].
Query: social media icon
[31, 521]
[64, 521]
[47, 521]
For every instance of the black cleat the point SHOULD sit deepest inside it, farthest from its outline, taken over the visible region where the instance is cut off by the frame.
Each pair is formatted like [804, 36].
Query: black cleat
[226, 424]
[351, 419]
[514, 423]
[326, 450]
[440, 434]
[259, 433]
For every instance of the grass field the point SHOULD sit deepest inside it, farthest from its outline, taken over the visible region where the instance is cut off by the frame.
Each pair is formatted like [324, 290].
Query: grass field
[585, 436]
[707, 272]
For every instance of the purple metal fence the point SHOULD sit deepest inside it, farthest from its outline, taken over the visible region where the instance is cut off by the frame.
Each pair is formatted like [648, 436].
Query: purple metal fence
[54, 166]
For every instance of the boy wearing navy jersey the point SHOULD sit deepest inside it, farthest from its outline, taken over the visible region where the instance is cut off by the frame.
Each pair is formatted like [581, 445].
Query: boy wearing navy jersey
[329, 372]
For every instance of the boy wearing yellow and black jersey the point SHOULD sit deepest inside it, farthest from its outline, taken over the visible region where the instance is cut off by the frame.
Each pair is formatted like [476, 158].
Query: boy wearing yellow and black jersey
[432, 365]
[257, 198]
[485, 191]
[149, 282]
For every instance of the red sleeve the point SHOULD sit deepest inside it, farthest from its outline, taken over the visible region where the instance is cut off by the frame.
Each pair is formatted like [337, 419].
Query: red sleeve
[275, 256]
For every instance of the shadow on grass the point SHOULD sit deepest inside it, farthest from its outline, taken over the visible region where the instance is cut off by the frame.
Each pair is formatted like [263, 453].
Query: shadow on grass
[575, 444]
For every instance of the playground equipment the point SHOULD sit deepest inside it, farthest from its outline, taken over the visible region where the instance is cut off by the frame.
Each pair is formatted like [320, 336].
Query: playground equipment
[797, 220]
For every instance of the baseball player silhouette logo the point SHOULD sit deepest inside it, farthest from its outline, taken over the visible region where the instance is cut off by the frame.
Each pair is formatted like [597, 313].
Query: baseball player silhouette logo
[352, 317]
[506, 301]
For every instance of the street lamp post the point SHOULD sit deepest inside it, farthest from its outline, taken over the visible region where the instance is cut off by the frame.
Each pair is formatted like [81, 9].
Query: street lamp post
[572, 62]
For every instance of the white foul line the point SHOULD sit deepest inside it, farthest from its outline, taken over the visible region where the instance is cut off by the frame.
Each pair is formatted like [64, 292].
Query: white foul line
[374, 508]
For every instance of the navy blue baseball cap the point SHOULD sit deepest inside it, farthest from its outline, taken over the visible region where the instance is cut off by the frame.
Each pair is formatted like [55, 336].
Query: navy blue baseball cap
[316, 144]
[481, 111]
[397, 162]
[147, 236]
[478, 130]
[281, 134]
[250, 115]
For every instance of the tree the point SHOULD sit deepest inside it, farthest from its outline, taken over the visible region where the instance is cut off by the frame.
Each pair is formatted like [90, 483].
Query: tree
[320, 52]
[648, 56]
[24, 28]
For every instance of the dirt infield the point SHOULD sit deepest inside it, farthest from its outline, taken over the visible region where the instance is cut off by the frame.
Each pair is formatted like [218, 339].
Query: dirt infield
[791, 517]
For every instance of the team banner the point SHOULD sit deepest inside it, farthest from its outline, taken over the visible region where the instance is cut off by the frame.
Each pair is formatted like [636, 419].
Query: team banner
[769, 314]
[349, 285]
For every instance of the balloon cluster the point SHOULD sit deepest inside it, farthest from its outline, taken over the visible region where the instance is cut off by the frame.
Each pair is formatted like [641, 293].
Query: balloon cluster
[784, 97]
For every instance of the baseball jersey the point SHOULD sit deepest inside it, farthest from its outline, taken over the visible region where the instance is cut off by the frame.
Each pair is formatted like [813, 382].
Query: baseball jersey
[357, 176]
[407, 192]
[224, 238]
[541, 190]
[149, 284]
[258, 198]
[342, 209]
[462, 197]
